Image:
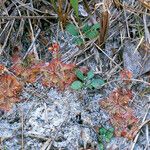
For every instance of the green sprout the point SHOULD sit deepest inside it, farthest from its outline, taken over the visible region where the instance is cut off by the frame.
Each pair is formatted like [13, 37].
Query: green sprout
[89, 32]
[105, 135]
[86, 81]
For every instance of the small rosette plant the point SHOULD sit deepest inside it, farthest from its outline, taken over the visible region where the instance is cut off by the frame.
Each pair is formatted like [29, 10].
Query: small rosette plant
[86, 80]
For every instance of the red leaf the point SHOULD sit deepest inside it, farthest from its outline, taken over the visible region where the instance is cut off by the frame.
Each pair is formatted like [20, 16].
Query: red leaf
[9, 90]
[126, 75]
[117, 101]
[27, 70]
[2, 69]
[54, 48]
[58, 74]
[125, 125]
[122, 117]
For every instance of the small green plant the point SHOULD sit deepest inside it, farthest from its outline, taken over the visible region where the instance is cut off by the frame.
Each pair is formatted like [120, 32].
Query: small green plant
[75, 5]
[86, 81]
[89, 32]
[105, 135]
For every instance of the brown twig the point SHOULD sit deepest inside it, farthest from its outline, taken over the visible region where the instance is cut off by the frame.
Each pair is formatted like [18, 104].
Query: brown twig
[32, 44]
[28, 17]
[133, 80]
[143, 123]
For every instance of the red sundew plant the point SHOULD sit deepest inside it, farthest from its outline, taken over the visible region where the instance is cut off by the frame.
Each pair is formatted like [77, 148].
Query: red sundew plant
[52, 74]
[126, 75]
[58, 74]
[122, 116]
[10, 88]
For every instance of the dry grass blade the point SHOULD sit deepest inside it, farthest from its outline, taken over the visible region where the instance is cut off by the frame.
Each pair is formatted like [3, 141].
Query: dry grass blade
[147, 134]
[6, 40]
[147, 33]
[60, 11]
[117, 4]
[33, 38]
[143, 123]
[145, 4]
[22, 129]
[86, 6]
[62, 14]
[28, 17]
[46, 144]
[104, 21]
[32, 44]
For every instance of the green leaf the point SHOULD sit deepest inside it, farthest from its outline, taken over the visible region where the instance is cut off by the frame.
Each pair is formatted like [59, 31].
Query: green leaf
[92, 34]
[97, 83]
[96, 26]
[80, 75]
[86, 28]
[78, 41]
[111, 130]
[101, 147]
[108, 136]
[76, 85]
[72, 29]
[74, 4]
[102, 131]
[90, 74]
[89, 86]
[107, 139]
